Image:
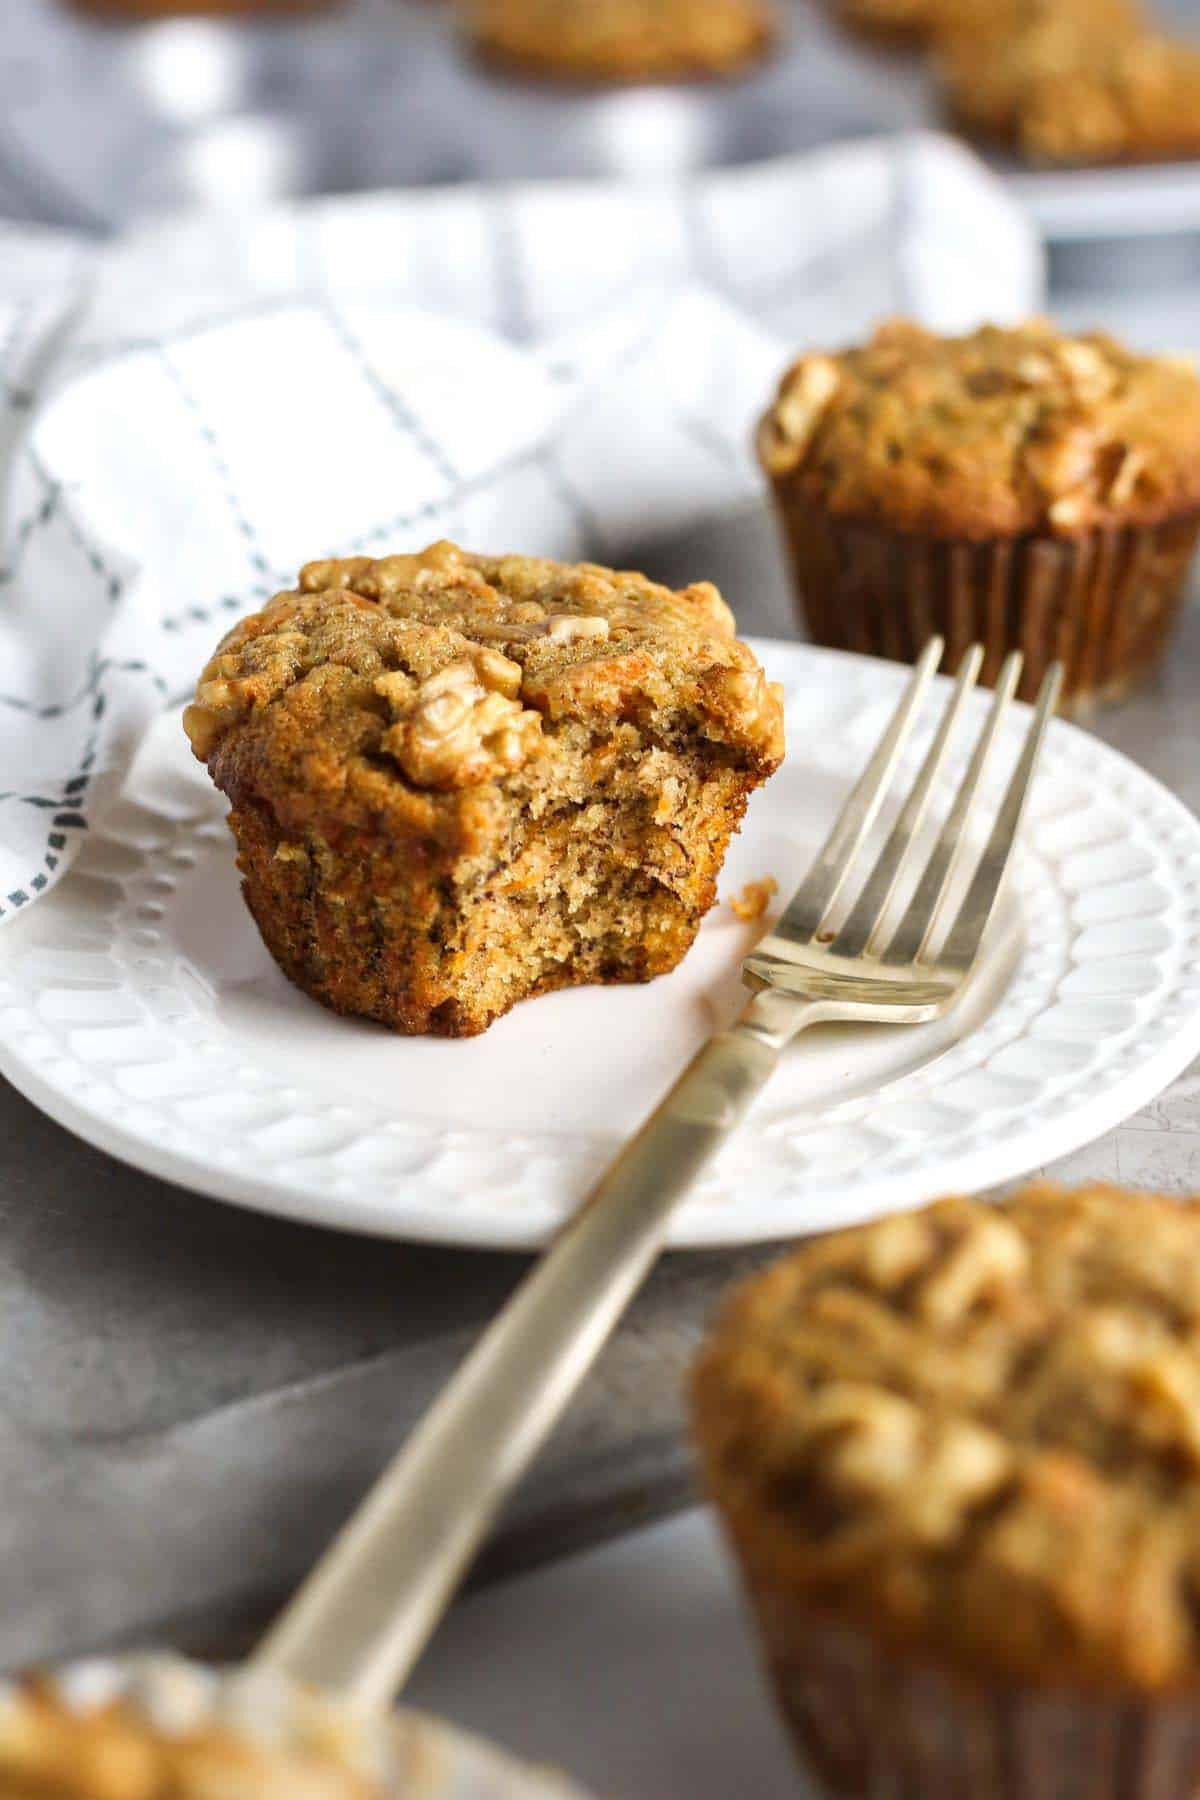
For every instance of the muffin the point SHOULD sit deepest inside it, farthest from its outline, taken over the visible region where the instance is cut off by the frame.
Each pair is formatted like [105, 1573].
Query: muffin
[990, 60]
[621, 40]
[916, 22]
[159, 1728]
[168, 1739]
[1124, 102]
[1034, 491]
[900, 22]
[460, 780]
[957, 1455]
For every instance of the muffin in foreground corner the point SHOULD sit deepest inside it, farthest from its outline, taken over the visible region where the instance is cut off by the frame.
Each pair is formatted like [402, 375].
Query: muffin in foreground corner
[154, 1727]
[619, 41]
[957, 1455]
[459, 780]
[1034, 491]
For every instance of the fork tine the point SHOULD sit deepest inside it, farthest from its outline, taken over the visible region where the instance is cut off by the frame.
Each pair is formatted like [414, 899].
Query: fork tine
[921, 916]
[871, 906]
[967, 931]
[809, 905]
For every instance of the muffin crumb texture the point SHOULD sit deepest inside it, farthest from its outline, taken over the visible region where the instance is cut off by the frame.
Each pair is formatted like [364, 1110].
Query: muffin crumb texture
[460, 780]
[975, 1433]
[1004, 431]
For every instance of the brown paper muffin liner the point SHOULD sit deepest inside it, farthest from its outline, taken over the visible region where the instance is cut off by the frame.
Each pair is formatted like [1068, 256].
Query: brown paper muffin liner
[878, 1724]
[1102, 603]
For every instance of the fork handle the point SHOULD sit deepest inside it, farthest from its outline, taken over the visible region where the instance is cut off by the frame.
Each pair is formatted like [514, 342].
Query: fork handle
[359, 1622]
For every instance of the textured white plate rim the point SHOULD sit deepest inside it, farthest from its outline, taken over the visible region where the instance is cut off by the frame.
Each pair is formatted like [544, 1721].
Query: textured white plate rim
[992, 1158]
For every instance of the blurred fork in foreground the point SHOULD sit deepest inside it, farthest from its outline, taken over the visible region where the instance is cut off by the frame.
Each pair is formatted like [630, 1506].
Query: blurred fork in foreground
[360, 1621]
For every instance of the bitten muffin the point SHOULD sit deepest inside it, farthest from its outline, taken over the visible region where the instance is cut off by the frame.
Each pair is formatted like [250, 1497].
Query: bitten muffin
[957, 1455]
[621, 40]
[460, 780]
[1031, 490]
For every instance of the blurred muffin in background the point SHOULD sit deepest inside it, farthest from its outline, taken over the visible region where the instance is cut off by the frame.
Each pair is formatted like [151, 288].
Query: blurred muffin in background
[1031, 490]
[621, 40]
[993, 22]
[957, 1456]
[1124, 101]
[1073, 81]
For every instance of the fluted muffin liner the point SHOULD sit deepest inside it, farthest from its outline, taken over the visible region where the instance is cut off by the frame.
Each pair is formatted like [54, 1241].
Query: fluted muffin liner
[875, 1723]
[1103, 603]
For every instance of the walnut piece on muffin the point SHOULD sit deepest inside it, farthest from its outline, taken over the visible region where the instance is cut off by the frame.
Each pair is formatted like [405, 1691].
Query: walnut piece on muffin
[620, 41]
[957, 1453]
[459, 780]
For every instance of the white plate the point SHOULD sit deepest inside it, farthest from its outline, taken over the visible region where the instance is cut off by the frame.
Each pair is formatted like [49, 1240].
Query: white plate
[138, 1008]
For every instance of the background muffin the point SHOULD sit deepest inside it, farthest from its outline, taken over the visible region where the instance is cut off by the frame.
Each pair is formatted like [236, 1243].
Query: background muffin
[957, 1454]
[458, 780]
[1071, 81]
[1031, 490]
[621, 40]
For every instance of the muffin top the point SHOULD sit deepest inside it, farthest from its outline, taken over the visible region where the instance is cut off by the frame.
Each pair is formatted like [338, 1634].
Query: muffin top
[175, 1743]
[411, 683]
[976, 1431]
[622, 40]
[1003, 431]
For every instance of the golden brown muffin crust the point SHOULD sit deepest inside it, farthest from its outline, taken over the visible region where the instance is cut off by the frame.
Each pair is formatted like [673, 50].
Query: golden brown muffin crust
[622, 40]
[1004, 431]
[430, 673]
[976, 1431]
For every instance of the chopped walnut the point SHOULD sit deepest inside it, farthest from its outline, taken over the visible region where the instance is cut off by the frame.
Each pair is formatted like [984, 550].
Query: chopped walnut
[461, 725]
[1091, 376]
[565, 628]
[806, 391]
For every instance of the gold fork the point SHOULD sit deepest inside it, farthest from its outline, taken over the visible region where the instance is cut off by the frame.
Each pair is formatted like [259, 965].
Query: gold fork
[362, 1618]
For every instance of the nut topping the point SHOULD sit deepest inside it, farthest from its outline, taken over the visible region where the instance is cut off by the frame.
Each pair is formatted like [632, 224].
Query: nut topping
[462, 724]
